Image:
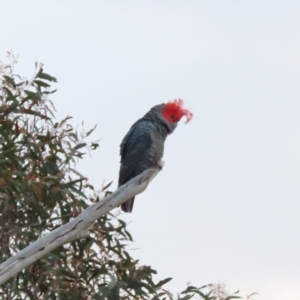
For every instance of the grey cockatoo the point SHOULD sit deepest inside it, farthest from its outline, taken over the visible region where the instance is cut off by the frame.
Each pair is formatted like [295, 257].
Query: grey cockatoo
[143, 145]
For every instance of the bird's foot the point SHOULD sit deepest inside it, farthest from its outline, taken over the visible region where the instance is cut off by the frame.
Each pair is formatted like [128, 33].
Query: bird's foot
[161, 165]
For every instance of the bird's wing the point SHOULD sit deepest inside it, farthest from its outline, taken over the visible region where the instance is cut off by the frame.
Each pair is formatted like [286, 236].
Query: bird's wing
[133, 149]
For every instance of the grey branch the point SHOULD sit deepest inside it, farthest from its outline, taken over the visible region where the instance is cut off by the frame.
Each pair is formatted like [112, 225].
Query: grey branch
[77, 228]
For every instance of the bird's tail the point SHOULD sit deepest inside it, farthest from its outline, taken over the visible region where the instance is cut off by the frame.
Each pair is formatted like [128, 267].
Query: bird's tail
[128, 205]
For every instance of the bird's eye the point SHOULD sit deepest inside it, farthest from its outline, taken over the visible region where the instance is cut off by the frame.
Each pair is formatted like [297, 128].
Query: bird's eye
[172, 117]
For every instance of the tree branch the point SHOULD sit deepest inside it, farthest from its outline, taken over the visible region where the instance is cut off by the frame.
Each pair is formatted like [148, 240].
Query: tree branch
[77, 228]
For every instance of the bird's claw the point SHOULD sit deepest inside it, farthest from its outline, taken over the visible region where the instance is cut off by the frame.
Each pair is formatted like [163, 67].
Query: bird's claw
[161, 165]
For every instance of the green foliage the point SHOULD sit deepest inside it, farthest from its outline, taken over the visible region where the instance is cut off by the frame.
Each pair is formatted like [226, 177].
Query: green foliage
[40, 190]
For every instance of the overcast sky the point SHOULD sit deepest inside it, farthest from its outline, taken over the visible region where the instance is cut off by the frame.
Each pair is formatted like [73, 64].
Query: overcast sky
[226, 205]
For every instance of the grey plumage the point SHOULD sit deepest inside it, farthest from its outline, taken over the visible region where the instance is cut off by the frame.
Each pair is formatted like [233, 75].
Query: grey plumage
[143, 147]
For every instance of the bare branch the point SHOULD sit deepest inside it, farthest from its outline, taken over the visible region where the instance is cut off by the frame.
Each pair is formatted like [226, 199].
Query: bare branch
[77, 228]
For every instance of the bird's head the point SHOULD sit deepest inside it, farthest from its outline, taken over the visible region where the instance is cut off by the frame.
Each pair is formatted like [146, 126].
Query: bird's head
[173, 111]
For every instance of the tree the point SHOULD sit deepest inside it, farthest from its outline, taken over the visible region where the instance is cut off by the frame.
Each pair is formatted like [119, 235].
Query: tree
[40, 190]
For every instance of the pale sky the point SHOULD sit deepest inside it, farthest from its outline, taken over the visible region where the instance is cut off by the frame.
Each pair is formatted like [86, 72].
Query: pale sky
[226, 207]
